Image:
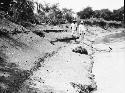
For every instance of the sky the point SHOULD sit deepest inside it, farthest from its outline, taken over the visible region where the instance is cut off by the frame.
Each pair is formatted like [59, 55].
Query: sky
[78, 5]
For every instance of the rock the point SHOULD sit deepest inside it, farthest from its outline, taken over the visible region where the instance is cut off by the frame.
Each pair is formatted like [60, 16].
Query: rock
[80, 50]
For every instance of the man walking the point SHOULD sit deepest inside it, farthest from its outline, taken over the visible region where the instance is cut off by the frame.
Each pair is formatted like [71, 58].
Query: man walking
[81, 30]
[74, 28]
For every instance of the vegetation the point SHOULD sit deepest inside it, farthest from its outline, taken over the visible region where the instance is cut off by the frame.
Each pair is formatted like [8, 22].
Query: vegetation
[22, 12]
[102, 23]
[51, 14]
[86, 13]
[103, 17]
[18, 11]
[106, 14]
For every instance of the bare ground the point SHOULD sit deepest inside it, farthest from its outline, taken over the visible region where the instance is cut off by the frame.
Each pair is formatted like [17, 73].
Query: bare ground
[42, 62]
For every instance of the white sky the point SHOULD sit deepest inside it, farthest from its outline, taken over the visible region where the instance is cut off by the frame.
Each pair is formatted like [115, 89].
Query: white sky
[78, 5]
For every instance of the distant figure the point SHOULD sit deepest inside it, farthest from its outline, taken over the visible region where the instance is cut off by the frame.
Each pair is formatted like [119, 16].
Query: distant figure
[81, 30]
[74, 28]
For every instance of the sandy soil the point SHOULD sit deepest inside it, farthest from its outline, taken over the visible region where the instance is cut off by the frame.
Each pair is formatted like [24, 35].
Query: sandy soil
[63, 69]
[109, 68]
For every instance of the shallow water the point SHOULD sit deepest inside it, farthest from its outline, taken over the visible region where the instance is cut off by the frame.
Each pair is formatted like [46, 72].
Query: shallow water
[109, 69]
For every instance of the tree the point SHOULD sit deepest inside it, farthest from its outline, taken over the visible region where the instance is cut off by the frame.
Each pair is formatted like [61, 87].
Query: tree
[5, 4]
[106, 14]
[18, 10]
[118, 14]
[97, 14]
[51, 14]
[86, 13]
[67, 14]
[56, 14]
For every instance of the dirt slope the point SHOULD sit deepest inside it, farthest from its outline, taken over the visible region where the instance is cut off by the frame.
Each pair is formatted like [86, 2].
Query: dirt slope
[41, 62]
[64, 72]
[20, 54]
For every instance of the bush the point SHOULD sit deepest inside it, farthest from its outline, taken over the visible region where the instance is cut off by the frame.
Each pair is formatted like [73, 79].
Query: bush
[106, 14]
[103, 23]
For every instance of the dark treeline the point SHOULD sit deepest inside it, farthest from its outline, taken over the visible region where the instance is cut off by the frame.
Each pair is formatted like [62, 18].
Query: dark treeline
[22, 12]
[18, 11]
[106, 14]
[51, 14]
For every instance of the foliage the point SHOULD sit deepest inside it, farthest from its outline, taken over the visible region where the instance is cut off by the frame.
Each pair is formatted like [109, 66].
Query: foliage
[19, 11]
[102, 23]
[116, 15]
[22, 12]
[67, 14]
[104, 13]
[51, 14]
[86, 13]
[5, 4]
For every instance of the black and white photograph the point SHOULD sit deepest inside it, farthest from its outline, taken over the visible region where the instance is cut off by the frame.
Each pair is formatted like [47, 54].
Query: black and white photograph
[62, 46]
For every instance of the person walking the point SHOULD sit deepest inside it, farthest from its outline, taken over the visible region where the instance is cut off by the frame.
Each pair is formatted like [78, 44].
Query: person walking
[74, 28]
[81, 31]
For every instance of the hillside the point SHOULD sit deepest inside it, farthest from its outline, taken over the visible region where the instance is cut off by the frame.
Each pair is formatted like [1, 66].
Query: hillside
[28, 57]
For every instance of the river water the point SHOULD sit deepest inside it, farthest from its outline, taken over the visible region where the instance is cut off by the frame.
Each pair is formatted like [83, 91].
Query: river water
[109, 69]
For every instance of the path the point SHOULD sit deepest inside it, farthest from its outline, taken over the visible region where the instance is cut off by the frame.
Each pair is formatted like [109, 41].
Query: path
[109, 69]
[64, 72]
